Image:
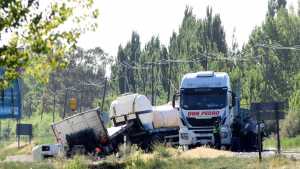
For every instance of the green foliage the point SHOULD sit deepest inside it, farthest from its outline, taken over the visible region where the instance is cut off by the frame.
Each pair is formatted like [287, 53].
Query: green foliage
[263, 74]
[286, 142]
[291, 126]
[78, 162]
[138, 163]
[134, 70]
[161, 151]
[37, 43]
[42, 132]
[83, 78]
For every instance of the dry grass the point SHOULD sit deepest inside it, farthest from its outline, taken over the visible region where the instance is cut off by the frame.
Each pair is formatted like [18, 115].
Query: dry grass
[161, 157]
[205, 152]
[13, 149]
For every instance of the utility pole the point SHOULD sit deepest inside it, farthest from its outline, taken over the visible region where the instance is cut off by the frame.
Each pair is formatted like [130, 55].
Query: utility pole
[65, 103]
[81, 97]
[206, 62]
[152, 84]
[30, 106]
[54, 102]
[103, 97]
[125, 80]
[238, 106]
[43, 106]
[169, 81]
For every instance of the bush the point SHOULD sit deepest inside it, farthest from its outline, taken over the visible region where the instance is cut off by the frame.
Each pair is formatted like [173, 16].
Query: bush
[162, 151]
[78, 162]
[291, 125]
[135, 161]
[127, 151]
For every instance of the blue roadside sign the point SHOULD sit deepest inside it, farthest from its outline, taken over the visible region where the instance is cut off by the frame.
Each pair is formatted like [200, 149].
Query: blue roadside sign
[10, 100]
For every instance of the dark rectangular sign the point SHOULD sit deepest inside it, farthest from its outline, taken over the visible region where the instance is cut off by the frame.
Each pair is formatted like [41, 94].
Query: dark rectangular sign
[268, 111]
[272, 106]
[264, 115]
[24, 129]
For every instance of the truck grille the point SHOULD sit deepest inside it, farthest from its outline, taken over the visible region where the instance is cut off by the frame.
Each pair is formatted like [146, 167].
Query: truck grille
[204, 138]
[201, 122]
[203, 131]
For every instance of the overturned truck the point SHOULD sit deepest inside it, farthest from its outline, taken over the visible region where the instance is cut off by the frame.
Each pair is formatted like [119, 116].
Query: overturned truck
[134, 119]
[82, 133]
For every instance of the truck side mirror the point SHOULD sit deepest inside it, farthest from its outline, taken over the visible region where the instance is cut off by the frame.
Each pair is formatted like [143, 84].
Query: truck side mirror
[233, 99]
[175, 96]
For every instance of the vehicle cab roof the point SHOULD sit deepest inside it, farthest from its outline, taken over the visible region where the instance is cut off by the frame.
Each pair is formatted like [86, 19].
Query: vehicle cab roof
[204, 79]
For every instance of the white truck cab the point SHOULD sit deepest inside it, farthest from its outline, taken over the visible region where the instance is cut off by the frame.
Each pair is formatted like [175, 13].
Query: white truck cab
[205, 97]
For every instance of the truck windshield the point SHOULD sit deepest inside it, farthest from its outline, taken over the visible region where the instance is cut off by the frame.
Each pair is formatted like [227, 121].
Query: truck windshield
[203, 98]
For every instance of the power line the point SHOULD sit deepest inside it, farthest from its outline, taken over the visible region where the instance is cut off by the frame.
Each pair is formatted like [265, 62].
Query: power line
[278, 46]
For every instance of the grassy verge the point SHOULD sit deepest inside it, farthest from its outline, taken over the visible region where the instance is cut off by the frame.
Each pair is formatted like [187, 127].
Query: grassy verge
[42, 132]
[13, 149]
[286, 143]
[216, 163]
[161, 158]
[163, 163]
[18, 165]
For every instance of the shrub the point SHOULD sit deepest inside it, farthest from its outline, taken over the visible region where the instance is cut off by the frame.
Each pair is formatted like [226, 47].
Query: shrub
[162, 151]
[78, 162]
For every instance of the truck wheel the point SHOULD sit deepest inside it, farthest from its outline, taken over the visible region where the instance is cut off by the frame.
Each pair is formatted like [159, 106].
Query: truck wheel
[226, 147]
[185, 147]
[223, 147]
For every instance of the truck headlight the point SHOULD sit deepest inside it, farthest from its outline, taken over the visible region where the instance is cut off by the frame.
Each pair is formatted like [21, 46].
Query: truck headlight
[184, 136]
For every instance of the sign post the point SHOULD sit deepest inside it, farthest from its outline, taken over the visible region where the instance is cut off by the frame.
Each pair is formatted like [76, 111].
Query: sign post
[23, 129]
[268, 111]
[259, 137]
[277, 128]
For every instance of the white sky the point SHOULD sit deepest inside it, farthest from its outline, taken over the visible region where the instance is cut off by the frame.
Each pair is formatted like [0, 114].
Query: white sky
[118, 18]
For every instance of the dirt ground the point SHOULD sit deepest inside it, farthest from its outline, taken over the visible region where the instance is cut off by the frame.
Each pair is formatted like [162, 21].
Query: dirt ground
[22, 154]
[205, 152]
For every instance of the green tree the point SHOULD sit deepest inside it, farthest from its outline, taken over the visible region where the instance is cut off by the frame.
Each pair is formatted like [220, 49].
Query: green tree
[37, 38]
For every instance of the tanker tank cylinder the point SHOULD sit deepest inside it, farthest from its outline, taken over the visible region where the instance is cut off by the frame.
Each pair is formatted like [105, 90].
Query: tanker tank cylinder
[129, 107]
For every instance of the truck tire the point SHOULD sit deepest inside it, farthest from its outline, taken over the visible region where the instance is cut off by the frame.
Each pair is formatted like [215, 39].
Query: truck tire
[185, 147]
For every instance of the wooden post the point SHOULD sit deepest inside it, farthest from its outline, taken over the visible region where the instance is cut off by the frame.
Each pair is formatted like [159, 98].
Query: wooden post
[18, 135]
[277, 128]
[259, 142]
[259, 135]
